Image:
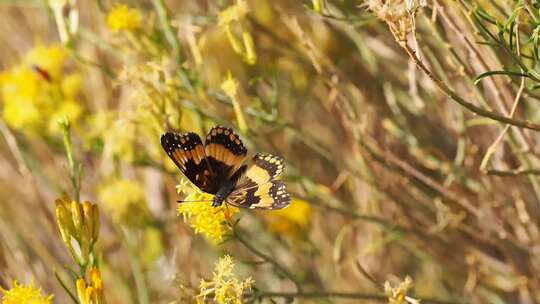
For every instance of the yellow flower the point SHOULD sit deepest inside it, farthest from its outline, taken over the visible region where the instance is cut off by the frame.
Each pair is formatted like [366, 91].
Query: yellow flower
[227, 289]
[235, 12]
[91, 292]
[124, 200]
[398, 295]
[79, 227]
[20, 294]
[212, 222]
[291, 220]
[121, 17]
[48, 58]
[36, 94]
[230, 87]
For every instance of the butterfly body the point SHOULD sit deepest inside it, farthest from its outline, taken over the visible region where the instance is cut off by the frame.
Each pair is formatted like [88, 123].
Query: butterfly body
[223, 193]
[220, 167]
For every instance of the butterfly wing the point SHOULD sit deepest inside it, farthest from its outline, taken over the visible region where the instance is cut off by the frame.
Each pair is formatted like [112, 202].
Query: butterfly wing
[270, 196]
[225, 152]
[257, 187]
[187, 151]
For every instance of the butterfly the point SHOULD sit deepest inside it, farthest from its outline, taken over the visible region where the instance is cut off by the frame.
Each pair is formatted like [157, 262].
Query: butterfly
[220, 167]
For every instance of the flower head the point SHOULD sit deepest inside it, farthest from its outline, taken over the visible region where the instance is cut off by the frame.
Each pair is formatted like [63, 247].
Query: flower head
[91, 292]
[20, 294]
[79, 227]
[37, 93]
[212, 222]
[121, 17]
[398, 14]
[235, 12]
[124, 200]
[291, 220]
[398, 294]
[227, 289]
[230, 87]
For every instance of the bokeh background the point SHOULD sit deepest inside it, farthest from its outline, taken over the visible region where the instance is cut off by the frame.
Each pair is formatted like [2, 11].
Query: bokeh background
[408, 130]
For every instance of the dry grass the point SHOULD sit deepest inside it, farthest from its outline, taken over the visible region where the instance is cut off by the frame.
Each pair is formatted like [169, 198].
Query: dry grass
[409, 128]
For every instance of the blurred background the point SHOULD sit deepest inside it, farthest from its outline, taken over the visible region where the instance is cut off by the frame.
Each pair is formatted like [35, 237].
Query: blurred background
[407, 127]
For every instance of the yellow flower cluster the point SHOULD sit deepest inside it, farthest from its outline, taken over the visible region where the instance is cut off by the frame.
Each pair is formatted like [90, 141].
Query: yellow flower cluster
[125, 201]
[227, 289]
[20, 294]
[291, 220]
[121, 17]
[36, 93]
[398, 294]
[212, 222]
[92, 292]
[79, 227]
[234, 14]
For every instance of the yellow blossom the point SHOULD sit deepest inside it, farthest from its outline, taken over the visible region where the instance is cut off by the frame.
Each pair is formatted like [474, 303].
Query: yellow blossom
[227, 289]
[291, 220]
[121, 17]
[91, 292]
[37, 93]
[230, 87]
[48, 58]
[20, 294]
[235, 12]
[124, 200]
[212, 222]
[398, 294]
[79, 227]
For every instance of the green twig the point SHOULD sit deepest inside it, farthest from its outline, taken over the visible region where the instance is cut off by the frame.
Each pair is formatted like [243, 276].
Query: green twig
[332, 294]
[268, 259]
[74, 166]
[140, 284]
[71, 295]
[469, 106]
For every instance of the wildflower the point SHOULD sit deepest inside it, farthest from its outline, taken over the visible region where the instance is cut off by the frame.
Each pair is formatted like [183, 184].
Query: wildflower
[398, 14]
[230, 87]
[121, 17]
[20, 294]
[37, 93]
[398, 295]
[291, 220]
[124, 200]
[234, 14]
[79, 227]
[212, 222]
[91, 292]
[227, 289]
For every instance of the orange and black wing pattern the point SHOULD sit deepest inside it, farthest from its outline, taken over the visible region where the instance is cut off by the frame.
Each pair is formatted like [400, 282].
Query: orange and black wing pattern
[187, 151]
[225, 152]
[258, 187]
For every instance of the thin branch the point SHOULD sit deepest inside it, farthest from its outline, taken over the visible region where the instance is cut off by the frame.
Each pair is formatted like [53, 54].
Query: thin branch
[491, 150]
[516, 172]
[269, 259]
[469, 106]
[333, 294]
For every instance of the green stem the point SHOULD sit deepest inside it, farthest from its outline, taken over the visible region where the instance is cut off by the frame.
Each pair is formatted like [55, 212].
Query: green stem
[270, 260]
[332, 294]
[165, 21]
[74, 167]
[140, 284]
[469, 106]
[64, 286]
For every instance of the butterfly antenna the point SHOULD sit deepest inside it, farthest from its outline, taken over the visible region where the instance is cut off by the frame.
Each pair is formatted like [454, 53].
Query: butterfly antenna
[196, 201]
